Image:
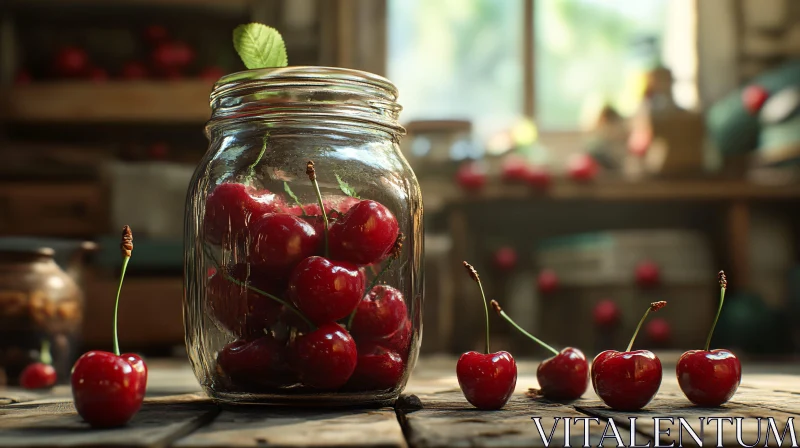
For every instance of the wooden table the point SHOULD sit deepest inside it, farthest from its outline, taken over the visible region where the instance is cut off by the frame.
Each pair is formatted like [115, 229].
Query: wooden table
[176, 413]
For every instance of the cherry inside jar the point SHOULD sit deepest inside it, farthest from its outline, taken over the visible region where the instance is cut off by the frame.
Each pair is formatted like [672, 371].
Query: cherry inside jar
[303, 250]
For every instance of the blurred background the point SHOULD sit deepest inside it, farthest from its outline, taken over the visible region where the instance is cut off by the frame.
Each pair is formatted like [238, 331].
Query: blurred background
[588, 157]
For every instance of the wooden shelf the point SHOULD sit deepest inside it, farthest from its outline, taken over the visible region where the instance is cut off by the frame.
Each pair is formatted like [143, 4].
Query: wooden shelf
[111, 102]
[438, 193]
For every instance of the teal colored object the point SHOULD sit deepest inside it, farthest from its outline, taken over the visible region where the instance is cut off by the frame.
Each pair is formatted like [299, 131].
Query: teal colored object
[748, 324]
[735, 131]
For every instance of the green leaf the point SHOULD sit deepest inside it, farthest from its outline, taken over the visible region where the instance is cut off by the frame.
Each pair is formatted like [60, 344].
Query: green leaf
[259, 46]
[291, 194]
[346, 189]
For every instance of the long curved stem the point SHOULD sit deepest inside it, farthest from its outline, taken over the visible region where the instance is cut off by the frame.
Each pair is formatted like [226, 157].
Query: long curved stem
[116, 303]
[312, 175]
[638, 327]
[716, 318]
[486, 312]
[273, 297]
[522, 330]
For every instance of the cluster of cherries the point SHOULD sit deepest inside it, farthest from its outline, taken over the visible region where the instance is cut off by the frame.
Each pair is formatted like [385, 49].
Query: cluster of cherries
[472, 176]
[169, 59]
[300, 307]
[625, 381]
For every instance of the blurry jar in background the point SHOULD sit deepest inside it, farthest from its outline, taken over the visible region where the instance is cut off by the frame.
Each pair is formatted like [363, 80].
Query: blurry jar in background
[277, 310]
[38, 302]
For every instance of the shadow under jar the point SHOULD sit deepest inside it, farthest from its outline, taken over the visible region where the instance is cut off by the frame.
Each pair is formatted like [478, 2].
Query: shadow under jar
[277, 309]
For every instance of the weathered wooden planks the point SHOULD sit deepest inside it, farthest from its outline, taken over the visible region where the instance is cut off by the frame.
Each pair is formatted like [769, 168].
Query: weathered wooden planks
[37, 419]
[160, 421]
[258, 426]
[447, 420]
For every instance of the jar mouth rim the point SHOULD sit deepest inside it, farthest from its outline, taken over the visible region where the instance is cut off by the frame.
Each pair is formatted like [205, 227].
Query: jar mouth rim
[306, 72]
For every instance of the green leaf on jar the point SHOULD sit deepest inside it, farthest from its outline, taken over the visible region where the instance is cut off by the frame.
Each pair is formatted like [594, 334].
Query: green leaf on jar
[346, 189]
[260, 46]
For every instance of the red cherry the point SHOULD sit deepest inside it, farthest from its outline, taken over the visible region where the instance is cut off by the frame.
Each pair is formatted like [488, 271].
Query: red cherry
[108, 389]
[155, 34]
[606, 313]
[487, 379]
[172, 55]
[564, 376]
[38, 376]
[211, 74]
[547, 281]
[514, 169]
[505, 258]
[71, 62]
[471, 176]
[539, 177]
[754, 97]
[582, 168]
[260, 362]
[626, 381]
[381, 313]
[377, 368]
[709, 378]
[280, 241]
[231, 207]
[133, 70]
[647, 274]
[658, 331]
[239, 309]
[23, 78]
[364, 235]
[97, 74]
[158, 151]
[326, 290]
[324, 358]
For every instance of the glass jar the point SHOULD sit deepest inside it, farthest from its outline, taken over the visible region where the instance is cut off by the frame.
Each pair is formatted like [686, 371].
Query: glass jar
[39, 303]
[280, 307]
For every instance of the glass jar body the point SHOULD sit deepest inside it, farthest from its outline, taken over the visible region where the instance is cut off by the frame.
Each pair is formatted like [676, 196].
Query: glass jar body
[281, 308]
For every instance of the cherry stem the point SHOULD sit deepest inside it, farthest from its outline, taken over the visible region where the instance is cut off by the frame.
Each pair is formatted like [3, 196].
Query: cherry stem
[474, 274]
[275, 298]
[369, 288]
[252, 166]
[716, 318]
[638, 327]
[116, 303]
[44, 353]
[522, 330]
[312, 175]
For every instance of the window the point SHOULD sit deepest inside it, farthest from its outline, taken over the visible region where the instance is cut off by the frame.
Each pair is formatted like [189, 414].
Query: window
[458, 59]
[462, 59]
